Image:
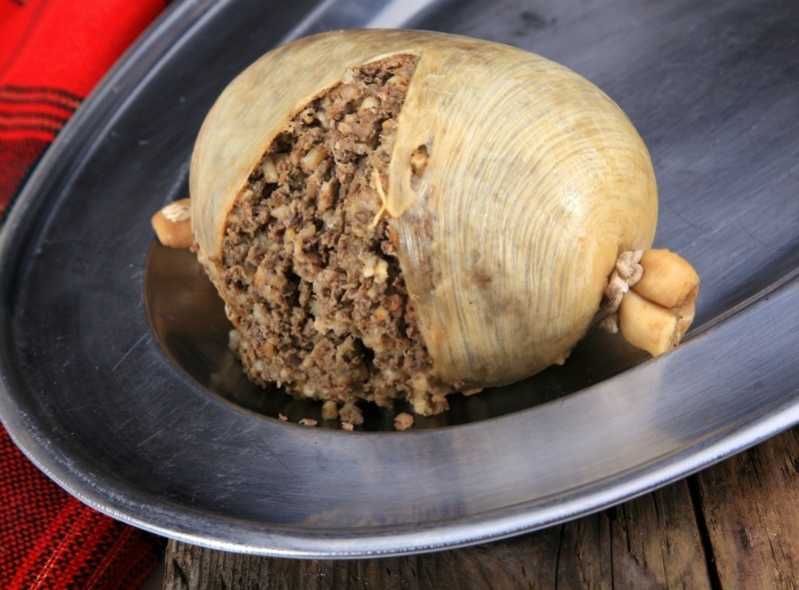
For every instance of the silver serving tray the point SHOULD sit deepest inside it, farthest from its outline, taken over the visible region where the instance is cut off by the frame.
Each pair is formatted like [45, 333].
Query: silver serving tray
[115, 377]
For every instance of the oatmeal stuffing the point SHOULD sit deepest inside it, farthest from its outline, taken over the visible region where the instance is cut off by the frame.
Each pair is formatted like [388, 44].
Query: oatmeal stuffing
[310, 269]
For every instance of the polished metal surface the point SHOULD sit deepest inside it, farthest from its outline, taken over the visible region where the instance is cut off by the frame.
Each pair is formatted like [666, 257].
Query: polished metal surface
[115, 380]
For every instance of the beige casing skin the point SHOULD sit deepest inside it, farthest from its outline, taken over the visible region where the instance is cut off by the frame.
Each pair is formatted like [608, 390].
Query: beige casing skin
[535, 182]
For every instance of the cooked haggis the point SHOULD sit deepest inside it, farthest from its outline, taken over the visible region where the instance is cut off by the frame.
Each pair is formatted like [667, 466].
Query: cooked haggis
[310, 270]
[396, 215]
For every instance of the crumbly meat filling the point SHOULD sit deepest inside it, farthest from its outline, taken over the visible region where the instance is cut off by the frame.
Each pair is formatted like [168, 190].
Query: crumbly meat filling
[313, 284]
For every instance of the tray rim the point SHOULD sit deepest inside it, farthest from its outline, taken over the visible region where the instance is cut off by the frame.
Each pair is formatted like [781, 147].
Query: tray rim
[215, 531]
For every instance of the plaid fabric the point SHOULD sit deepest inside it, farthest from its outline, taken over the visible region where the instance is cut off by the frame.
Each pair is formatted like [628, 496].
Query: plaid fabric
[52, 52]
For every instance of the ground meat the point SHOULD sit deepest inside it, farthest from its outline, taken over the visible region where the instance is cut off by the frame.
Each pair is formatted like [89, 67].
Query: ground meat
[403, 421]
[312, 282]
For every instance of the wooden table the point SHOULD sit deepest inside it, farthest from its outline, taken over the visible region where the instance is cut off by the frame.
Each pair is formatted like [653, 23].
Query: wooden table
[735, 525]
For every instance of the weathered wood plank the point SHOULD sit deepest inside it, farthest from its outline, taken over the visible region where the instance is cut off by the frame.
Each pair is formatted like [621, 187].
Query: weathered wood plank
[751, 507]
[585, 555]
[651, 542]
[656, 543]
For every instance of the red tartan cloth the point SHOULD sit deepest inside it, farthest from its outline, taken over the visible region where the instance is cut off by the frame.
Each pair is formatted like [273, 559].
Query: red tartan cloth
[52, 52]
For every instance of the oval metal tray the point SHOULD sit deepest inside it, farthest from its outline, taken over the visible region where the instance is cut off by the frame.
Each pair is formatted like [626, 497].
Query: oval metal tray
[114, 375]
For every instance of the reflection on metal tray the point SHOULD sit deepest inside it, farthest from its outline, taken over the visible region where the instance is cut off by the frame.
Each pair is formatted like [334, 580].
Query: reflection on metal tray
[134, 416]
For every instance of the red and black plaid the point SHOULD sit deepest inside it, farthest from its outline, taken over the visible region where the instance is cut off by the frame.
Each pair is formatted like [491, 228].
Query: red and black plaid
[52, 52]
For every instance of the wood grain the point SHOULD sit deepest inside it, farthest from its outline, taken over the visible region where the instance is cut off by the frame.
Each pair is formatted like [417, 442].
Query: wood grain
[751, 507]
[650, 542]
[656, 542]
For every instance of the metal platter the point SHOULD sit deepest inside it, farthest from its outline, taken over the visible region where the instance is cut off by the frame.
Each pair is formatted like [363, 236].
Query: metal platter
[115, 377]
